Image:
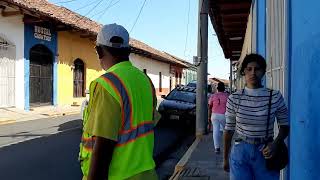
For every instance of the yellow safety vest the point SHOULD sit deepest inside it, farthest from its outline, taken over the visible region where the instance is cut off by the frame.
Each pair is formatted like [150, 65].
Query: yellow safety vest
[135, 94]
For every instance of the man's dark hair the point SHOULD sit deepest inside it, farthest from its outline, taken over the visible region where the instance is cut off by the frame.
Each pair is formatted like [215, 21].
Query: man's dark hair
[221, 87]
[253, 58]
[121, 54]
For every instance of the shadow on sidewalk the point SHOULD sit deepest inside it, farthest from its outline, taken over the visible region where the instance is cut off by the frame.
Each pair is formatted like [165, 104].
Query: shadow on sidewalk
[70, 125]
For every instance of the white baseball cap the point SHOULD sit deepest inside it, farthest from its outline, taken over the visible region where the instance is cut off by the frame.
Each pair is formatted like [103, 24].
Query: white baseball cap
[109, 31]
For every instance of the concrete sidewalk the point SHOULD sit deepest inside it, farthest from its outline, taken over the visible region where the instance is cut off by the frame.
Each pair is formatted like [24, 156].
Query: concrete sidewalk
[200, 162]
[12, 115]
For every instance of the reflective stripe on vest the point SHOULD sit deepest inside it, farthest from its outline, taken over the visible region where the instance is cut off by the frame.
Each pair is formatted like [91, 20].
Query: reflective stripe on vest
[88, 143]
[128, 133]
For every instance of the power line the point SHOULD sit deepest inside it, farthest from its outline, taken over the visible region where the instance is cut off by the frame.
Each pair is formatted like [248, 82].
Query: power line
[87, 5]
[63, 2]
[144, 2]
[93, 8]
[185, 45]
[89, 11]
[107, 9]
[106, 4]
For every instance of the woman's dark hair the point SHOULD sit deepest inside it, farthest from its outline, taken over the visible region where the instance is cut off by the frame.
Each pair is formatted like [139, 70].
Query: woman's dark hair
[221, 87]
[253, 58]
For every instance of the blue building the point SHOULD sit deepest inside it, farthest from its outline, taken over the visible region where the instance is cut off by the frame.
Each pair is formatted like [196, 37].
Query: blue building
[40, 77]
[287, 34]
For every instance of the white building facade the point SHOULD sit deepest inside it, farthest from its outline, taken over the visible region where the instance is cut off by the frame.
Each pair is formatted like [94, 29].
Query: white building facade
[159, 72]
[11, 61]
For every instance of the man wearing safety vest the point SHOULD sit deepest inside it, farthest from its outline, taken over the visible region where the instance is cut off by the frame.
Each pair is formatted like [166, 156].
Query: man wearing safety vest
[118, 139]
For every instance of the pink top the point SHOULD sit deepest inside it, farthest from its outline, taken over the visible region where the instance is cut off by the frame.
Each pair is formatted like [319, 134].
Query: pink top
[218, 102]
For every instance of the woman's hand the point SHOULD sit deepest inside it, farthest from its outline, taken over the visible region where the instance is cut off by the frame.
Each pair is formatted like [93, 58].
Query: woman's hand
[269, 150]
[226, 166]
[227, 138]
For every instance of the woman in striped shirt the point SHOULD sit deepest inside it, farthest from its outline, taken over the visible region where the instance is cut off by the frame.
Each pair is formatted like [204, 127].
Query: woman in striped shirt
[247, 112]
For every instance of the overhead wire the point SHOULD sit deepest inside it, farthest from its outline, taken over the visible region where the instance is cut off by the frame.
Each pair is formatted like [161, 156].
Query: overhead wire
[187, 34]
[93, 8]
[63, 2]
[84, 16]
[103, 12]
[87, 5]
[107, 4]
[107, 9]
[144, 2]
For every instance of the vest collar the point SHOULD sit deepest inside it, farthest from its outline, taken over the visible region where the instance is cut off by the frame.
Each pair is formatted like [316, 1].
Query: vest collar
[118, 65]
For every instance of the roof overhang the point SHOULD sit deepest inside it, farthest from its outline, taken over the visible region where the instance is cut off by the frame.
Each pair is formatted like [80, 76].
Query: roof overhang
[229, 19]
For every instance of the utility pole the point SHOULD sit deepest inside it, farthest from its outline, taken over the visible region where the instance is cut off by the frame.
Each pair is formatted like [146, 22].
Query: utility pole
[202, 73]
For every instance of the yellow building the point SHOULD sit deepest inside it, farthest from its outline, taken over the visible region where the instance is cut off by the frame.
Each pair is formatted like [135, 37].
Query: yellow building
[77, 67]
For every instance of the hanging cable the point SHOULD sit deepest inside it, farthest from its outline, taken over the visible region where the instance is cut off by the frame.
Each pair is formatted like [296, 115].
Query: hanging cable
[84, 16]
[87, 5]
[144, 2]
[185, 45]
[105, 10]
[107, 5]
[93, 7]
[63, 2]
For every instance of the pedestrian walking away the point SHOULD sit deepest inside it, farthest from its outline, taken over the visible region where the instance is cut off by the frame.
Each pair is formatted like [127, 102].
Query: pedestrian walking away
[118, 138]
[251, 113]
[217, 109]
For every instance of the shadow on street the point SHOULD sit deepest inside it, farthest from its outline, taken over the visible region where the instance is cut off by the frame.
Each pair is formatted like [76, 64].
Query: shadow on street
[55, 156]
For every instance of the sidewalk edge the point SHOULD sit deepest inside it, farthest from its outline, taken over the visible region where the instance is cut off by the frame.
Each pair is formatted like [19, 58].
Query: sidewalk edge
[6, 121]
[183, 161]
[13, 121]
[58, 114]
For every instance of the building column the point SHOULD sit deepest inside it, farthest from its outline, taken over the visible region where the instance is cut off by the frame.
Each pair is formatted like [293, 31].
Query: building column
[304, 80]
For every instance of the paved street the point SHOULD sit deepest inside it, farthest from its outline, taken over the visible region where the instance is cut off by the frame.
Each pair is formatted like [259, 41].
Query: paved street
[52, 157]
[48, 148]
[22, 131]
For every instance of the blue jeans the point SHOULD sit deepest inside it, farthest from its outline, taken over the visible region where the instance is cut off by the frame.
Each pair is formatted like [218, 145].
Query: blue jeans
[248, 163]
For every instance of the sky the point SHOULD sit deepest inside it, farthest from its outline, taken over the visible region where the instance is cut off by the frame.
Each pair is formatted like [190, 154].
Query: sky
[167, 25]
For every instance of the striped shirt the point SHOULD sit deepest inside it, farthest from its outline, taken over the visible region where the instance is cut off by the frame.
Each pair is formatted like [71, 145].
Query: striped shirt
[247, 112]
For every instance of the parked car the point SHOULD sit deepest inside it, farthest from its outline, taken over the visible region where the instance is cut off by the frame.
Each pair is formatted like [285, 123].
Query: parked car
[194, 84]
[179, 105]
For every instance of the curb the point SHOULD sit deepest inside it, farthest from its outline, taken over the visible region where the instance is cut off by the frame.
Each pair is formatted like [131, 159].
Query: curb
[4, 121]
[181, 165]
[61, 113]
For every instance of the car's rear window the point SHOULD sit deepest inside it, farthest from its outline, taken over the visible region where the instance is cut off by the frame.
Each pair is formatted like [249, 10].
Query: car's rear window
[182, 96]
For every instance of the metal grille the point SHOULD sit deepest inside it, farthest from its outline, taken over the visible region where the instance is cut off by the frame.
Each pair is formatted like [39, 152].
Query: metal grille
[7, 73]
[276, 47]
[78, 78]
